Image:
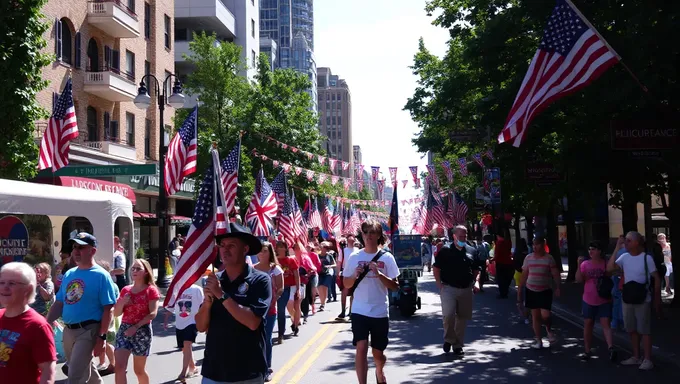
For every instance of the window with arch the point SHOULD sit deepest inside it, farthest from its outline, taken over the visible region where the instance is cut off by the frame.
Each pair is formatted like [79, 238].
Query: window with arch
[92, 126]
[64, 41]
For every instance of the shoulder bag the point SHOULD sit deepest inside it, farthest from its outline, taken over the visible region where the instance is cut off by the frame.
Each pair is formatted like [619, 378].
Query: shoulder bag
[365, 272]
[634, 292]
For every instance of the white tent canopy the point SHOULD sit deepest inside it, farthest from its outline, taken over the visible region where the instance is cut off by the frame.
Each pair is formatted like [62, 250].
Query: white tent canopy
[100, 208]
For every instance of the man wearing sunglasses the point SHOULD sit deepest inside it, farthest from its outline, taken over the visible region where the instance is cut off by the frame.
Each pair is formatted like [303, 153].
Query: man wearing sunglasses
[374, 272]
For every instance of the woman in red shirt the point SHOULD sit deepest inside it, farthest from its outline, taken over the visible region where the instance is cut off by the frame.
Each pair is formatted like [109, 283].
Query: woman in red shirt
[138, 303]
[291, 290]
[308, 278]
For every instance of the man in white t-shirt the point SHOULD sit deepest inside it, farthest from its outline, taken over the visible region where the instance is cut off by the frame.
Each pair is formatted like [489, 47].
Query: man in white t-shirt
[637, 316]
[119, 263]
[185, 310]
[370, 307]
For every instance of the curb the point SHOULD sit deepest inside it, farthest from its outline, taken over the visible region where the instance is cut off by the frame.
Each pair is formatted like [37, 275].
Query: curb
[620, 339]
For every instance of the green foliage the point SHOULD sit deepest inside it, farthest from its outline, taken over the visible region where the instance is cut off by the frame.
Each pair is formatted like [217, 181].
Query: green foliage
[274, 105]
[475, 84]
[21, 63]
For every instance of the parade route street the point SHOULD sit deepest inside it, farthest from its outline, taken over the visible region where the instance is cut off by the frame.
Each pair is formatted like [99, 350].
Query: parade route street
[497, 351]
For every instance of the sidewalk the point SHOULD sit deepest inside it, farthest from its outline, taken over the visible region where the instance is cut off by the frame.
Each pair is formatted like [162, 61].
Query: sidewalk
[665, 333]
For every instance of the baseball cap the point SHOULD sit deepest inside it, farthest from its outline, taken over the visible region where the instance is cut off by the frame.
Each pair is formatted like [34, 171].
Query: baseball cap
[84, 238]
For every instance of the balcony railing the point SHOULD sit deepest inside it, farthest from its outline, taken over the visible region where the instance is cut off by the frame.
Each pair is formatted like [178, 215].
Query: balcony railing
[83, 139]
[110, 83]
[99, 7]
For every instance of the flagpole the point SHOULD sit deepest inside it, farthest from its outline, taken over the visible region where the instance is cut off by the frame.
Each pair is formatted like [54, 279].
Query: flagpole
[609, 47]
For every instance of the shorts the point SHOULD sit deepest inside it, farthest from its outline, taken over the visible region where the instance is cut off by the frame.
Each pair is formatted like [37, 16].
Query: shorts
[326, 280]
[596, 312]
[538, 300]
[187, 334]
[518, 278]
[637, 318]
[377, 327]
[669, 269]
[139, 344]
[314, 280]
[293, 289]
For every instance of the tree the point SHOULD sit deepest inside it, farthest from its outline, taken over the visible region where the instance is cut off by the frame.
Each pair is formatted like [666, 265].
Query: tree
[21, 63]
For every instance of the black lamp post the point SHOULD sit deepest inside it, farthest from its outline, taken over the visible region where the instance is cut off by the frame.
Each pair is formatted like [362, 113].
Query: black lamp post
[143, 101]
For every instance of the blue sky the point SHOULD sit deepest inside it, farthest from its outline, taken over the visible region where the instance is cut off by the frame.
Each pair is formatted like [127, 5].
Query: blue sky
[370, 44]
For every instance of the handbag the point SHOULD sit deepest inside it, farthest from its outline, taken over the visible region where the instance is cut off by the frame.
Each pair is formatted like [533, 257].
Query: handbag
[604, 287]
[365, 272]
[634, 292]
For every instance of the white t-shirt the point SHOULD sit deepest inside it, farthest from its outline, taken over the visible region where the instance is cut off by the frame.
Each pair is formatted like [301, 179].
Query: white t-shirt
[634, 269]
[370, 297]
[118, 260]
[346, 252]
[187, 306]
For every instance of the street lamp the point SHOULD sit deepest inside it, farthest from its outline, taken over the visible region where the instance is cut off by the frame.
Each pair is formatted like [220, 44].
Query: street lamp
[143, 101]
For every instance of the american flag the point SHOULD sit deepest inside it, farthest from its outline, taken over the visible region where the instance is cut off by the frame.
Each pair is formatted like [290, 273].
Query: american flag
[460, 209]
[450, 211]
[221, 222]
[199, 248]
[435, 212]
[336, 219]
[326, 213]
[180, 161]
[229, 168]
[61, 129]
[279, 186]
[300, 225]
[353, 222]
[570, 56]
[262, 209]
[287, 225]
[419, 217]
[314, 215]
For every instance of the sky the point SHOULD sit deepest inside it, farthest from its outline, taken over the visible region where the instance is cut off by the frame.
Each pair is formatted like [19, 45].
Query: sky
[371, 44]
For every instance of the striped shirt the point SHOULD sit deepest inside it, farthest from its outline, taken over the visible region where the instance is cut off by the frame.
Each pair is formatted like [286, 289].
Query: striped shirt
[540, 270]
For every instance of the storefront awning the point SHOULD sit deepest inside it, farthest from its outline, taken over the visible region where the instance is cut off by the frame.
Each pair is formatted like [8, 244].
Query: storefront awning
[92, 185]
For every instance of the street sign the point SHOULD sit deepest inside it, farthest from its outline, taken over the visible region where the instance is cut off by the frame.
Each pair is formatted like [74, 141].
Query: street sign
[102, 170]
[656, 133]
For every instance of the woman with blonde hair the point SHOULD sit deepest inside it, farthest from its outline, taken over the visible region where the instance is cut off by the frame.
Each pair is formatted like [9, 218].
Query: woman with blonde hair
[138, 303]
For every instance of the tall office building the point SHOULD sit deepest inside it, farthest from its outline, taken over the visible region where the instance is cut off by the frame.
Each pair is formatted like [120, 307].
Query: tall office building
[290, 23]
[335, 116]
[235, 21]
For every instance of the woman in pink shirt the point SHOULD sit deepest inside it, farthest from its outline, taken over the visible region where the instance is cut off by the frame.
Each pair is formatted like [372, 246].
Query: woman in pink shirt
[595, 306]
[138, 303]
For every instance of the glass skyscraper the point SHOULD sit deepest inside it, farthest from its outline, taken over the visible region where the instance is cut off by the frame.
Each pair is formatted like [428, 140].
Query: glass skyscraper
[290, 23]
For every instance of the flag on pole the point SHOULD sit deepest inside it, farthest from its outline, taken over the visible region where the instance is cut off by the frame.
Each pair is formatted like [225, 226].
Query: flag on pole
[199, 248]
[62, 128]
[180, 161]
[279, 187]
[571, 55]
[221, 221]
[314, 220]
[262, 209]
[287, 226]
[229, 177]
[460, 209]
[300, 225]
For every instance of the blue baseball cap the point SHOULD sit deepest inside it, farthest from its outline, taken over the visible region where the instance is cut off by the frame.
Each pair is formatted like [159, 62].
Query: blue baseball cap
[84, 238]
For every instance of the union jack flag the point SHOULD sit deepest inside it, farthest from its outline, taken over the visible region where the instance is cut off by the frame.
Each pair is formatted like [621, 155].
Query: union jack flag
[570, 56]
[199, 248]
[62, 128]
[262, 209]
[229, 177]
[180, 161]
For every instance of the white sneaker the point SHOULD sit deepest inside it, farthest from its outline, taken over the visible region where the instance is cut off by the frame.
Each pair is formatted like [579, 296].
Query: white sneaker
[538, 344]
[631, 361]
[646, 365]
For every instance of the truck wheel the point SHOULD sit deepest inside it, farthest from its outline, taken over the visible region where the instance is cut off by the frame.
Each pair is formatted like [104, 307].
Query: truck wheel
[418, 303]
[406, 309]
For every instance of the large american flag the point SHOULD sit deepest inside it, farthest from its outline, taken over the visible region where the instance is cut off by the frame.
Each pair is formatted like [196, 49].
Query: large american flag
[61, 129]
[279, 187]
[229, 170]
[570, 56]
[435, 212]
[287, 226]
[314, 215]
[460, 209]
[262, 209]
[199, 248]
[180, 161]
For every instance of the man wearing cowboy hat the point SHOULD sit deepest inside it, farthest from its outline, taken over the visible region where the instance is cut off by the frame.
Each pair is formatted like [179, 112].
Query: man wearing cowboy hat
[233, 312]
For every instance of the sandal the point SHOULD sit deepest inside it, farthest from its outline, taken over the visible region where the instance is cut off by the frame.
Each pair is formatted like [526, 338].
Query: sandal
[377, 380]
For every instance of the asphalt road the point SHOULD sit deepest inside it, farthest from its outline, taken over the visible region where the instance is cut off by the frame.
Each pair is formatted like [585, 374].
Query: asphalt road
[497, 351]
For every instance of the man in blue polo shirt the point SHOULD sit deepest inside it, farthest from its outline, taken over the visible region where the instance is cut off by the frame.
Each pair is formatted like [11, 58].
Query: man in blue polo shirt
[85, 302]
[233, 313]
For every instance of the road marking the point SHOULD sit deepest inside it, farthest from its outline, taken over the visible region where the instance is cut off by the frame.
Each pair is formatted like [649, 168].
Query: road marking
[281, 373]
[315, 355]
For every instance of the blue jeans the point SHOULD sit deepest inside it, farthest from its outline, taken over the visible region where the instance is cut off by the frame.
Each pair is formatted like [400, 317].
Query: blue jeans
[330, 283]
[281, 310]
[268, 330]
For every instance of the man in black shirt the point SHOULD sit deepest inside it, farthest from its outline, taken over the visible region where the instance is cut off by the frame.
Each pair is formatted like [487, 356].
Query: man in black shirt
[233, 313]
[456, 271]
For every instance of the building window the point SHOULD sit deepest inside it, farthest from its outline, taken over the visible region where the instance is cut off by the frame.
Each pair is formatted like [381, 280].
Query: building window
[333, 120]
[63, 41]
[339, 120]
[252, 54]
[167, 32]
[147, 139]
[78, 49]
[131, 6]
[168, 91]
[252, 27]
[328, 120]
[92, 128]
[130, 128]
[130, 63]
[147, 20]
[333, 97]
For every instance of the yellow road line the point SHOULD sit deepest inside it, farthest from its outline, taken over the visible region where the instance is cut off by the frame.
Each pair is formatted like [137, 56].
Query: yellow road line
[281, 373]
[315, 355]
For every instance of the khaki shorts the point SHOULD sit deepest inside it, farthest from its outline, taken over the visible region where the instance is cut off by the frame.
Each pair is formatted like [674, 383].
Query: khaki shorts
[637, 318]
